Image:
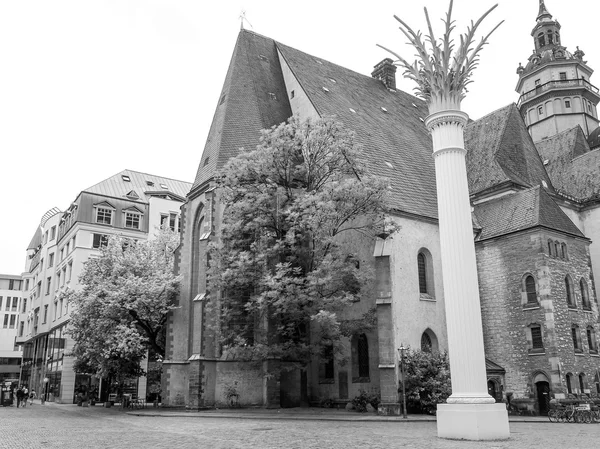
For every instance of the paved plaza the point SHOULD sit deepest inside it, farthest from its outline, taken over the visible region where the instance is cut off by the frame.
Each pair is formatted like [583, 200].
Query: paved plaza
[68, 426]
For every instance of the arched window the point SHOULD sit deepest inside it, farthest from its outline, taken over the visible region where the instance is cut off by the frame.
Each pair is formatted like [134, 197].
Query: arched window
[422, 264]
[541, 40]
[585, 297]
[425, 272]
[360, 359]
[591, 338]
[570, 293]
[429, 341]
[576, 336]
[569, 378]
[582, 382]
[530, 290]
[425, 342]
[550, 35]
[563, 248]
[550, 248]
[556, 249]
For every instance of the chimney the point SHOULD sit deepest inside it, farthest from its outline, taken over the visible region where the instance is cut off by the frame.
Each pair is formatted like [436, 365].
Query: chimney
[386, 72]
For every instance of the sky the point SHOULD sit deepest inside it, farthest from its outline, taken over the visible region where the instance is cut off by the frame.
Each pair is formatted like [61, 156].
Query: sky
[92, 87]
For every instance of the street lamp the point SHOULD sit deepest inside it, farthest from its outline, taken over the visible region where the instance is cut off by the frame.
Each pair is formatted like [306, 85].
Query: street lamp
[401, 350]
[45, 394]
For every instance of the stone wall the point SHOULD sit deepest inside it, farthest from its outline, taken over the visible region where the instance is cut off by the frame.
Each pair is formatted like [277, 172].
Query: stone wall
[502, 264]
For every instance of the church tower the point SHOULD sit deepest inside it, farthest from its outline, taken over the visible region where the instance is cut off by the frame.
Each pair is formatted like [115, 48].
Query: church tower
[554, 87]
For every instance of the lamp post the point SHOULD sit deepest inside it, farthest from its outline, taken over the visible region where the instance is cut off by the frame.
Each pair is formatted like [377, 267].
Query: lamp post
[401, 350]
[45, 394]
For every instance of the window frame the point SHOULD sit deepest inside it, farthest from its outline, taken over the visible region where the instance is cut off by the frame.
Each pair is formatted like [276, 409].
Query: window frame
[131, 217]
[107, 213]
[576, 337]
[528, 294]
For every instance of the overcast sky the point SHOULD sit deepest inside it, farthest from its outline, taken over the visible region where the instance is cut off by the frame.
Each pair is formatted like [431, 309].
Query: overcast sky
[91, 87]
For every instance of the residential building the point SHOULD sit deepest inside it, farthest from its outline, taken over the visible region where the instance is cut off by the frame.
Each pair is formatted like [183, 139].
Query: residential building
[534, 182]
[131, 204]
[11, 302]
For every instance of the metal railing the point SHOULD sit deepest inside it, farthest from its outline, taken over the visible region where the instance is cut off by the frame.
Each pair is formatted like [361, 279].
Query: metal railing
[557, 84]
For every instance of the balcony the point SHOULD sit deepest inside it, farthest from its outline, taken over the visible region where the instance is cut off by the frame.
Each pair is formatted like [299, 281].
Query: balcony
[557, 84]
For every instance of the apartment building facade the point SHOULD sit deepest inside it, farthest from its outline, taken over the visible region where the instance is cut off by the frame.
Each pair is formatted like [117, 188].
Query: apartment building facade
[131, 204]
[11, 302]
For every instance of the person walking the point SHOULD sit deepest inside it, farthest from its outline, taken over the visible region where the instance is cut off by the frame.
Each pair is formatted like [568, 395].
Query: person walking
[32, 396]
[19, 396]
[25, 396]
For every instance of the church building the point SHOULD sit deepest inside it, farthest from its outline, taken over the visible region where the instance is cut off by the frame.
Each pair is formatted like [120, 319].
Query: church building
[534, 179]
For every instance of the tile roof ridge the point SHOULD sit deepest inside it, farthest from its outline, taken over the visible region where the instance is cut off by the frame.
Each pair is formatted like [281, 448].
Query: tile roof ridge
[149, 174]
[490, 113]
[560, 134]
[277, 43]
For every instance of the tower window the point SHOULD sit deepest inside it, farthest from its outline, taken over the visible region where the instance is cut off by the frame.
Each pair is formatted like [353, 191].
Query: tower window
[550, 34]
[541, 40]
[567, 104]
[537, 343]
[530, 290]
[570, 294]
[576, 338]
[585, 296]
[540, 110]
[360, 359]
[591, 338]
[563, 75]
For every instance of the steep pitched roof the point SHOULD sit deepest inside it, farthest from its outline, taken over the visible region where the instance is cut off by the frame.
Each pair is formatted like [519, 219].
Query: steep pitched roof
[573, 168]
[36, 240]
[522, 210]
[499, 150]
[388, 125]
[144, 185]
[253, 98]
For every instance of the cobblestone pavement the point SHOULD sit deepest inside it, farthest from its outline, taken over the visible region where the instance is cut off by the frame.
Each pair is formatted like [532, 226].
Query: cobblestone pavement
[67, 426]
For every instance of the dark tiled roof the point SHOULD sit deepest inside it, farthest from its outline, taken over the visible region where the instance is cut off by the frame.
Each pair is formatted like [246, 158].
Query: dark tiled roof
[493, 368]
[499, 150]
[522, 210]
[253, 98]
[396, 136]
[573, 168]
[117, 187]
[593, 139]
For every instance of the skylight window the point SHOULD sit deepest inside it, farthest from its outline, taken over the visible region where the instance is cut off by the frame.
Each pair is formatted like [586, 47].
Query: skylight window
[164, 186]
[414, 105]
[325, 89]
[126, 178]
[332, 80]
[263, 57]
[421, 118]
[150, 183]
[273, 96]
[352, 110]
[383, 109]
[318, 62]
[388, 164]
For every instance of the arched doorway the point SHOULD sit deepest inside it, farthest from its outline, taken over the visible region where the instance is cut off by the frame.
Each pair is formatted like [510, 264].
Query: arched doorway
[493, 389]
[542, 390]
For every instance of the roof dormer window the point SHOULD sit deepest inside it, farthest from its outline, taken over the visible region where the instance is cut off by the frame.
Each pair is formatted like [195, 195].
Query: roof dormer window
[126, 178]
[164, 186]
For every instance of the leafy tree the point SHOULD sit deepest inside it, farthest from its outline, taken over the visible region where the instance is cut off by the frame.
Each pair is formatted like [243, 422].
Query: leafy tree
[120, 312]
[283, 266]
[427, 380]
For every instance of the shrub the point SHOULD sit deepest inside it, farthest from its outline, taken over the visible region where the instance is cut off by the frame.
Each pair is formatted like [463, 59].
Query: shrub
[360, 402]
[427, 380]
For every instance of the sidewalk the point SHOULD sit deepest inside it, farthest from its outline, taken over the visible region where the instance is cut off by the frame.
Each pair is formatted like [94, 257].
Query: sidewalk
[308, 413]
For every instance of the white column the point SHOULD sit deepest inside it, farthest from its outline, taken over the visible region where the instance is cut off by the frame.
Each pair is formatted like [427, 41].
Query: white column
[461, 291]
[470, 412]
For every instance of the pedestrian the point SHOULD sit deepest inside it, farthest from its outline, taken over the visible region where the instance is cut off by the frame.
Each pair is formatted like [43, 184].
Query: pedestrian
[32, 396]
[25, 395]
[19, 396]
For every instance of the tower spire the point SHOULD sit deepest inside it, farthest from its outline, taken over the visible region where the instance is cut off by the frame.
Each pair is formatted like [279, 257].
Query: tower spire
[543, 12]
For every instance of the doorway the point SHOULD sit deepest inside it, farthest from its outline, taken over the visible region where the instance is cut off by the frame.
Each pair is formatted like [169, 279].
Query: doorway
[543, 397]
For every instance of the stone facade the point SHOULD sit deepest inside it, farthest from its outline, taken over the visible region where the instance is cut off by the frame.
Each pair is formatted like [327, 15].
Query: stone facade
[503, 264]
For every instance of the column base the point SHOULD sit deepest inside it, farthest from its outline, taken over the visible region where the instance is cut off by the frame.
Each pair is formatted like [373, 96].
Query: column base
[473, 421]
